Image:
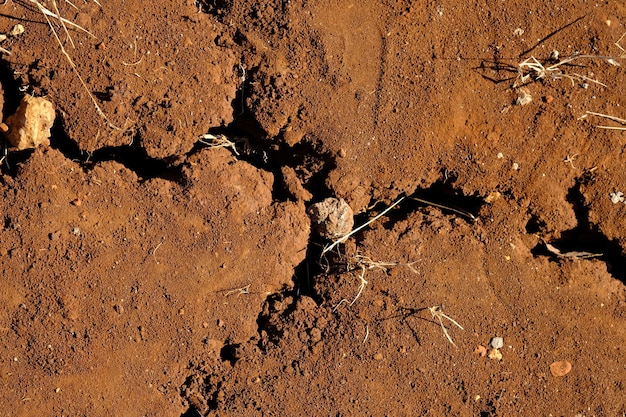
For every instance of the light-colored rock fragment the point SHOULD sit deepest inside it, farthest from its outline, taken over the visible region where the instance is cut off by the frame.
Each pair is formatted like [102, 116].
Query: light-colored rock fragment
[17, 30]
[560, 368]
[494, 354]
[617, 197]
[331, 218]
[496, 343]
[29, 126]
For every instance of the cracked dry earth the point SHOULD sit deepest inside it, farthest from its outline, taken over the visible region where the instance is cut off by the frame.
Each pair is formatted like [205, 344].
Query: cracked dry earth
[146, 271]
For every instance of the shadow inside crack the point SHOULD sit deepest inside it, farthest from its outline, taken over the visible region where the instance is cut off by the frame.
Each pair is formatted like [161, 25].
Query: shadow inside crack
[583, 241]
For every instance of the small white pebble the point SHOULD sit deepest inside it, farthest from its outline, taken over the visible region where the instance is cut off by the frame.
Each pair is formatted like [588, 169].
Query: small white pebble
[617, 197]
[515, 166]
[500, 155]
[17, 30]
[496, 343]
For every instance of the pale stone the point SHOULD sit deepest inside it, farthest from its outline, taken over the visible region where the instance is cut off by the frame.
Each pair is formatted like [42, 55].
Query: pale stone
[29, 126]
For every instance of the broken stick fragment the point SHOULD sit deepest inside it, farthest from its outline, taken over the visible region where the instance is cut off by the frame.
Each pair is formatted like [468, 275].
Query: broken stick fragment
[29, 127]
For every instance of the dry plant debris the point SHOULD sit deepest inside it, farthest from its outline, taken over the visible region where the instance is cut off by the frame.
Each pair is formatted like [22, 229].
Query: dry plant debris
[361, 227]
[56, 15]
[609, 117]
[531, 69]
[218, 141]
[363, 263]
[437, 313]
[460, 212]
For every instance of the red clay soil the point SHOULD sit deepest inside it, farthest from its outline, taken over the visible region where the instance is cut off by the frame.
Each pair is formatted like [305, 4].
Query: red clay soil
[147, 272]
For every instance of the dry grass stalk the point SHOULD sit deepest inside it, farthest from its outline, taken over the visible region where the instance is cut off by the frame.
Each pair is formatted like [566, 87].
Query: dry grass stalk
[531, 69]
[239, 291]
[613, 118]
[361, 227]
[365, 263]
[461, 212]
[48, 14]
[620, 46]
[57, 15]
[437, 313]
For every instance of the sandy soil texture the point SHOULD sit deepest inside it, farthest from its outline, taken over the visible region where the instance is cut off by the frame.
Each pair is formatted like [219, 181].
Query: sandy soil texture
[158, 256]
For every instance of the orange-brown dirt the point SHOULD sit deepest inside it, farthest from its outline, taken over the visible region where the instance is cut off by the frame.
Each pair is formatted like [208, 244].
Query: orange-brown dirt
[147, 272]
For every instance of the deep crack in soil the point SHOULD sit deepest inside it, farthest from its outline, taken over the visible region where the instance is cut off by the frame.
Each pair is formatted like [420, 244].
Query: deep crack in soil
[585, 240]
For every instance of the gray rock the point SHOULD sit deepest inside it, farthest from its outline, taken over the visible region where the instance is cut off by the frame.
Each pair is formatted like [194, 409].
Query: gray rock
[331, 218]
[496, 342]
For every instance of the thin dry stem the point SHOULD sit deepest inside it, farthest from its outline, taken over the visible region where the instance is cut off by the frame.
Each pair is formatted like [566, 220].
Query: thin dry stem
[218, 141]
[361, 285]
[47, 14]
[369, 263]
[238, 291]
[620, 46]
[361, 227]
[365, 263]
[58, 15]
[457, 211]
[613, 118]
[437, 312]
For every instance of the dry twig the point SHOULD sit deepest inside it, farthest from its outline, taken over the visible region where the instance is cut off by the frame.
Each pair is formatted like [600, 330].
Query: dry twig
[238, 291]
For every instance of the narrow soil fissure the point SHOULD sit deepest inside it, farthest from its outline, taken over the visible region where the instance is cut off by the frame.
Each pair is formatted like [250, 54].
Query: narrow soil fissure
[442, 195]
